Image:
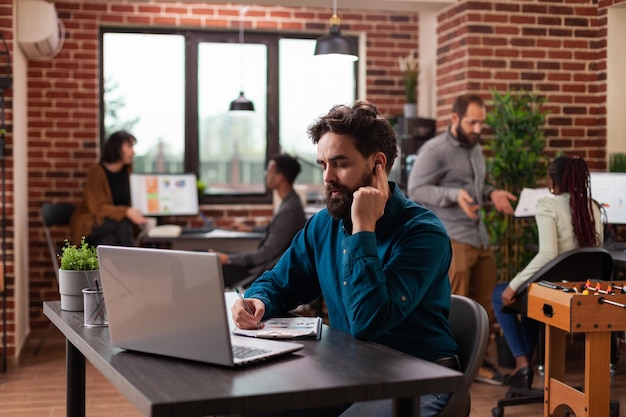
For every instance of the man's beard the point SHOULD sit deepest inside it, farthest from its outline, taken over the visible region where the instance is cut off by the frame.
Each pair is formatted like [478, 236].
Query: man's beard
[467, 140]
[340, 206]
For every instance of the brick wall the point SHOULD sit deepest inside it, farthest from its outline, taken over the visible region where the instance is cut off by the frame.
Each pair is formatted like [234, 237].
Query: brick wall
[555, 48]
[64, 105]
[558, 47]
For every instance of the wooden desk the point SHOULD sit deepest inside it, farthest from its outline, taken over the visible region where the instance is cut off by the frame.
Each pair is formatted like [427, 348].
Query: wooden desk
[334, 370]
[218, 239]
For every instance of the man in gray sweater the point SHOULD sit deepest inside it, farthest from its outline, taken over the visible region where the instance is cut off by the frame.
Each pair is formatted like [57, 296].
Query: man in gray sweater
[288, 219]
[448, 177]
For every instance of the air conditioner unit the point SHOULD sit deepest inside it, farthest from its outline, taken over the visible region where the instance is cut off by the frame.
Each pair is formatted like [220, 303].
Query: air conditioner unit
[38, 29]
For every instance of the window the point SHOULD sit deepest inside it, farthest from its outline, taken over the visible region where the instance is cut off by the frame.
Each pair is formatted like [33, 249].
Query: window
[174, 97]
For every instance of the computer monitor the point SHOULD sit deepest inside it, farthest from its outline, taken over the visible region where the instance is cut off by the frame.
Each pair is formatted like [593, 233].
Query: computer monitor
[164, 194]
[609, 189]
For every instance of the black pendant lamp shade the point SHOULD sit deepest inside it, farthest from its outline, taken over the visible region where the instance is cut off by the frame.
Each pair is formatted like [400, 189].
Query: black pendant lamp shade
[241, 103]
[335, 44]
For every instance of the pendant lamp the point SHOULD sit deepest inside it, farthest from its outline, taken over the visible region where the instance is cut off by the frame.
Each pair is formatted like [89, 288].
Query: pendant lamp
[241, 103]
[335, 45]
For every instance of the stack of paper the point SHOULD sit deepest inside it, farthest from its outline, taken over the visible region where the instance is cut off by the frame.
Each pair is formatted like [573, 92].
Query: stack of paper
[527, 202]
[286, 328]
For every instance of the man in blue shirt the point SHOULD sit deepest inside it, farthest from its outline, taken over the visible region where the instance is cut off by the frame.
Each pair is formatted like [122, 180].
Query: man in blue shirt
[379, 260]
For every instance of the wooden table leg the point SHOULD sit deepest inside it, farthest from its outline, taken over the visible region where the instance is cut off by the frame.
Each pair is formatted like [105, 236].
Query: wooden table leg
[554, 369]
[598, 373]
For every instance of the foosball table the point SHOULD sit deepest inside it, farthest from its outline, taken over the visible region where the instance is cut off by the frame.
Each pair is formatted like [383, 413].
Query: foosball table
[593, 308]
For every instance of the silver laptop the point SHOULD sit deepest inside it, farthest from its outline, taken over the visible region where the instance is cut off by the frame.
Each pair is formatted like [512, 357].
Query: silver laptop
[171, 302]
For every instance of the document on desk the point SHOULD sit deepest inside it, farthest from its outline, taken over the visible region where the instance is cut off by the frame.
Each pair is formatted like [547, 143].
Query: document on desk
[286, 328]
[527, 202]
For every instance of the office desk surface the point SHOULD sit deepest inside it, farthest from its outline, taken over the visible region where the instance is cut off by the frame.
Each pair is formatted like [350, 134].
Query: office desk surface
[218, 239]
[619, 258]
[335, 369]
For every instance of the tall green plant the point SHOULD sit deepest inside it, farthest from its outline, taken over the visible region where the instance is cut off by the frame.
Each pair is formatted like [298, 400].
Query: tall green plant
[515, 161]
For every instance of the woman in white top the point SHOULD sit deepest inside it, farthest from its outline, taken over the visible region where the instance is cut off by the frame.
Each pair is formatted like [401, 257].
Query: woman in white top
[568, 221]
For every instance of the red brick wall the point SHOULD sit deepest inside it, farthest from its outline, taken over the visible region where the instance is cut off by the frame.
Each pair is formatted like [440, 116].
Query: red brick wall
[63, 93]
[558, 47]
[555, 48]
[7, 279]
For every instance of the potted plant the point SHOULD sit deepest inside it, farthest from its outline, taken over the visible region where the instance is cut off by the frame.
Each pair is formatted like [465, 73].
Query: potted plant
[409, 69]
[516, 161]
[79, 269]
[617, 162]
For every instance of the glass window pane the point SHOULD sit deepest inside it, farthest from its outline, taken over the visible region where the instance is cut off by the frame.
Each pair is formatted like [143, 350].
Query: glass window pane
[232, 145]
[309, 88]
[144, 94]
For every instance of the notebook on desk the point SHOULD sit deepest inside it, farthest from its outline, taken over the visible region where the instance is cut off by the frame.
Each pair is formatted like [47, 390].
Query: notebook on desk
[171, 302]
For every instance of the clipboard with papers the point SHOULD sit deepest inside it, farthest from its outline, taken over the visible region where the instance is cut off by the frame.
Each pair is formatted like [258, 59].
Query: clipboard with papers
[286, 328]
[527, 202]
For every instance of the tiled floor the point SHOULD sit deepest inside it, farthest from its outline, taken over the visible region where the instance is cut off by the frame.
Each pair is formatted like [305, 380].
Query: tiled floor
[36, 388]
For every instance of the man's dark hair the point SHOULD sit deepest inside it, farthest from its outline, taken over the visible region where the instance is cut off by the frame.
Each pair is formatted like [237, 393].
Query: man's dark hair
[287, 165]
[112, 150]
[462, 103]
[363, 122]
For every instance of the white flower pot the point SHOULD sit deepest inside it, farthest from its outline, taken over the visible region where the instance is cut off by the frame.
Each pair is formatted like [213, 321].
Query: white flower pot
[410, 110]
[71, 284]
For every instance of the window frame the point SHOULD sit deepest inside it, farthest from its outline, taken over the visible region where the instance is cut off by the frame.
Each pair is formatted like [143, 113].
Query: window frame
[191, 130]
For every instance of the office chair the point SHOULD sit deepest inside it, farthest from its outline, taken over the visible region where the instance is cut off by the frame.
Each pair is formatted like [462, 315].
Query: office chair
[53, 214]
[575, 265]
[470, 327]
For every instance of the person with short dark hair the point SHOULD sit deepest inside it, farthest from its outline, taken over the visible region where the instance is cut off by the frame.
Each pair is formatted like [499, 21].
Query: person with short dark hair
[379, 260]
[568, 221]
[105, 215]
[288, 219]
[448, 177]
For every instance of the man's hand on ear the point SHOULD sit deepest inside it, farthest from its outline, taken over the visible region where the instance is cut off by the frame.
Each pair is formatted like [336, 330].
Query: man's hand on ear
[369, 202]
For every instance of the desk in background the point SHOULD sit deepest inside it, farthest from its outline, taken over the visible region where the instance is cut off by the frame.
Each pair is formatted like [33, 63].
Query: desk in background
[334, 370]
[619, 258]
[218, 239]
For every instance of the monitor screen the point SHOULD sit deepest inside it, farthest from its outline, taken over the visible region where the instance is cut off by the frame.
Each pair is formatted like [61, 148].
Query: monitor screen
[609, 189]
[164, 194]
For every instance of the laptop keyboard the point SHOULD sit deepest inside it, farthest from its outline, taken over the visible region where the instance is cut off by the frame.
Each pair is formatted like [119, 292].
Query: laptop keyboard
[243, 352]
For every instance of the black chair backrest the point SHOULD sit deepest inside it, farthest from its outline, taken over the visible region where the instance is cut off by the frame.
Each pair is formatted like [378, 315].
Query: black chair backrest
[55, 214]
[470, 328]
[576, 265]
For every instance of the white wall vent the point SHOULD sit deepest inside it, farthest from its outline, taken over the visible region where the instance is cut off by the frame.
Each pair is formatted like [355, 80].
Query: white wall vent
[40, 32]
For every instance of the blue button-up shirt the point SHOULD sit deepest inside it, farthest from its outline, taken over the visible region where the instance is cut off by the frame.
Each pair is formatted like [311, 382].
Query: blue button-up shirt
[390, 286]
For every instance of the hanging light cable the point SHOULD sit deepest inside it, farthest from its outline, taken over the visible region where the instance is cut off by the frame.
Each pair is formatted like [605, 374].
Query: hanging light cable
[241, 103]
[335, 45]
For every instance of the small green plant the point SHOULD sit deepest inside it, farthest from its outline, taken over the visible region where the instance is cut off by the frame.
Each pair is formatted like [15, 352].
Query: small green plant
[409, 68]
[79, 258]
[617, 162]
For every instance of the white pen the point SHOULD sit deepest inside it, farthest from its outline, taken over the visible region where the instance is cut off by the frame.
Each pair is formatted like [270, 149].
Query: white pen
[246, 306]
